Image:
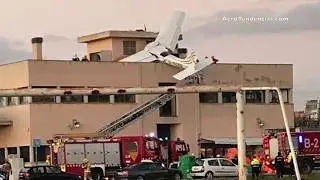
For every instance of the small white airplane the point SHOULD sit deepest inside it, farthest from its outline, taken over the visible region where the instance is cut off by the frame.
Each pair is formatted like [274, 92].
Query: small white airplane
[165, 44]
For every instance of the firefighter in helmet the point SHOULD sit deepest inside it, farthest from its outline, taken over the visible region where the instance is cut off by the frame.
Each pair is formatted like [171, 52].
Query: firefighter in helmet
[86, 168]
[48, 160]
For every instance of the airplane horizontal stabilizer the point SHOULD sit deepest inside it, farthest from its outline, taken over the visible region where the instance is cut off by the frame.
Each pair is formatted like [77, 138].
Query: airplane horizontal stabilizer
[193, 69]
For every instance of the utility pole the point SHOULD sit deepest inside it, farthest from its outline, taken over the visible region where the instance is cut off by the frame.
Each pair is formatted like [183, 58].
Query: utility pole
[240, 136]
[318, 111]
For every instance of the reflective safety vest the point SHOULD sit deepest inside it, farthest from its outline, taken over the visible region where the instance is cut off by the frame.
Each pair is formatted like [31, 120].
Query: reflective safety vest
[255, 162]
[289, 157]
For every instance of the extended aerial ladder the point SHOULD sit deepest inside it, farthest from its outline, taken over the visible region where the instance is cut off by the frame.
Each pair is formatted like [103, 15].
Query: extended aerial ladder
[123, 121]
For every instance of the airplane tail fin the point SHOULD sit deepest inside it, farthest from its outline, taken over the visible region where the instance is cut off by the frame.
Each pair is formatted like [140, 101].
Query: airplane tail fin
[170, 31]
[194, 65]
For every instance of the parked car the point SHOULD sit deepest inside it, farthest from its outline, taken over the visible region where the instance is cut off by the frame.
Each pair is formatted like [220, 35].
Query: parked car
[2, 176]
[45, 173]
[146, 171]
[214, 167]
[174, 165]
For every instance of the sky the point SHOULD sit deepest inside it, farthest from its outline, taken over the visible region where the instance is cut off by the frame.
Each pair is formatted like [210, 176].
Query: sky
[222, 28]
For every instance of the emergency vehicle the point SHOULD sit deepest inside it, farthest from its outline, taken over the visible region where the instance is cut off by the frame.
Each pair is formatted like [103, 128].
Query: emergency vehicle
[106, 153]
[306, 145]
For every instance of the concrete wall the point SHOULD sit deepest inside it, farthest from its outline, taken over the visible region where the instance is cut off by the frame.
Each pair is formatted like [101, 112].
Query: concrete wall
[19, 133]
[91, 116]
[280, 75]
[14, 75]
[97, 46]
[220, 120]
[70, 73]
[116, 45]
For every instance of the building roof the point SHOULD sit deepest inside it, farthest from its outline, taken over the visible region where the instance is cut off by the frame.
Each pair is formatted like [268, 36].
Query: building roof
[117, 34]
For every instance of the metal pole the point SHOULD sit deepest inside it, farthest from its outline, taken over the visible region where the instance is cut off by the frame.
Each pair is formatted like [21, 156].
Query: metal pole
[240, 136]
[89, 91]
[318, 109]
[285, 119]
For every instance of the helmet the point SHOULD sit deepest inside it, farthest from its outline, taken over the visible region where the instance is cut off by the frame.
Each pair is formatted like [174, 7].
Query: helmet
[85, 160]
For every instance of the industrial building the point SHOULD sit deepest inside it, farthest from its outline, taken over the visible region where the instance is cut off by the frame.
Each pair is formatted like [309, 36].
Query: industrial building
[207, 121]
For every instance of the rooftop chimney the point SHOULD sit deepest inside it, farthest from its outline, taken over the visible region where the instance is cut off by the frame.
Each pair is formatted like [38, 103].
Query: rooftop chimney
[37, 48]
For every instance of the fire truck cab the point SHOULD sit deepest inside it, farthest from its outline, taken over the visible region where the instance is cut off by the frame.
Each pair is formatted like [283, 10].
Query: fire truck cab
[172, 150]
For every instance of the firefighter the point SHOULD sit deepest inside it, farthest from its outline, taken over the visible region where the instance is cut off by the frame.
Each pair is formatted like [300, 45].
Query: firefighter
[255, 164]
[48, 160]
[279, 163]
[290, 161]
[86, 169]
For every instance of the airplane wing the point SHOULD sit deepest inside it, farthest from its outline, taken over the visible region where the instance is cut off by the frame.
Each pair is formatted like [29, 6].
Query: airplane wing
[193, 69]
[142, 56]
[170, 31]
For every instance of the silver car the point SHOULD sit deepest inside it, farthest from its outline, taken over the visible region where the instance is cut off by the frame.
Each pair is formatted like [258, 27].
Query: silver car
[214, 167]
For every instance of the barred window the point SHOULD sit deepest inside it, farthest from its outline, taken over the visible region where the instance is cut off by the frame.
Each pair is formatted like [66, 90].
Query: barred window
[129, 47]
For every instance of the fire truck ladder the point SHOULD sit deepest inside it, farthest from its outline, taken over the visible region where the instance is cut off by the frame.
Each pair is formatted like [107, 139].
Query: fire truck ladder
[133, 115]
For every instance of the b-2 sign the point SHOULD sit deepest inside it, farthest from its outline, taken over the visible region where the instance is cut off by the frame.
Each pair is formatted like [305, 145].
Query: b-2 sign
[308, 143]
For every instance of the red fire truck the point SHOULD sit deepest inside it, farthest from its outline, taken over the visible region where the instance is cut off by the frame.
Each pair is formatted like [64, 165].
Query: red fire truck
[108, 155]
[306, 145]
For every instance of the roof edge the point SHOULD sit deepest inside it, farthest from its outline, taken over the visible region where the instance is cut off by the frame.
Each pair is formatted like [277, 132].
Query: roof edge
[116, 34]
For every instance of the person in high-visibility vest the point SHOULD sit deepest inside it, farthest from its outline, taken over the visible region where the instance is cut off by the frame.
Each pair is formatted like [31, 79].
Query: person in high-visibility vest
[255, 164]
[87, 171]
[290, 161]
[48, 160]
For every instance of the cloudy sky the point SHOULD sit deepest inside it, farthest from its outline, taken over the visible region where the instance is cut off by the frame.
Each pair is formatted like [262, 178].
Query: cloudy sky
[60, 22]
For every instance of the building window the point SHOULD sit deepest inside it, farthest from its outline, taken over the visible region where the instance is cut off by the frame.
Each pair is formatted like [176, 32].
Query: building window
[211, 97]
[72, 99]
[255, 96]
[12, 150]
[9, 101]
[274, 98]
[24, 153]
[3, 101]
[229, 97]
[43, 99]
[98, 98]
[169, 109]
[23, 100]
[129, 47]
[42, 153]
[95, 56]
[125, 98]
